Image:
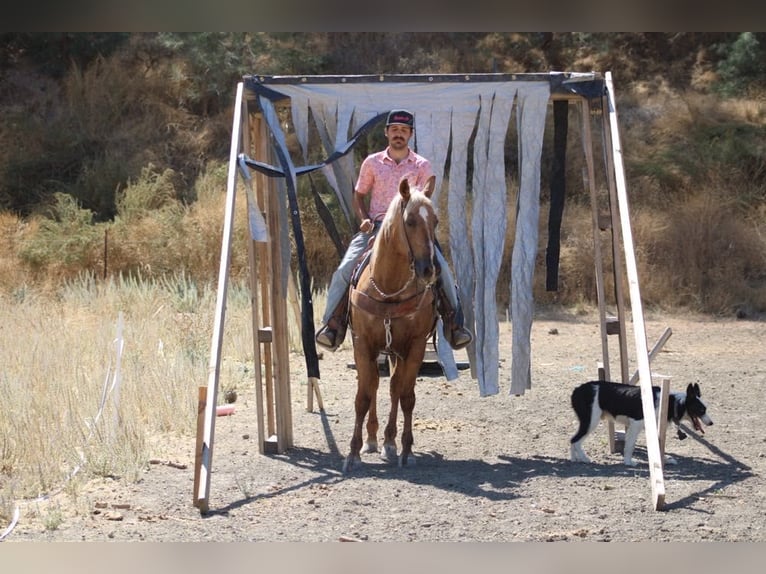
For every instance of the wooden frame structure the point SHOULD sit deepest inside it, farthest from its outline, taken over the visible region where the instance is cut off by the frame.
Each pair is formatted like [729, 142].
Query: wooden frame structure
[610, 215]
[269, 294]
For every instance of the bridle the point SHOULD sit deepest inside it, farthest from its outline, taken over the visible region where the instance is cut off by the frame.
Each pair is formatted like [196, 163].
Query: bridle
[393, 309]
[412, 276]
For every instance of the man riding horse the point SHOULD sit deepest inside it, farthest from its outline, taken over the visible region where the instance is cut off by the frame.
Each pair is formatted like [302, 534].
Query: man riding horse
[379, 178]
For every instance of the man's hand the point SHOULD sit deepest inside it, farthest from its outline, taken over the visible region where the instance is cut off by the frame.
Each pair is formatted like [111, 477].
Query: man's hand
[365, 226]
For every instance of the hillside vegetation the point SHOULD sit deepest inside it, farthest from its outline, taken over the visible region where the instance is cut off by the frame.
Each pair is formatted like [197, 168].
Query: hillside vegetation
[113, 152]
[113, 168]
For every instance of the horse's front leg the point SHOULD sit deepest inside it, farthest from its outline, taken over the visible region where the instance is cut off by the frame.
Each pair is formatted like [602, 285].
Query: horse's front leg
[408, 405]
[366, 391]
[389, 434]
[371, 445]
[410, 370]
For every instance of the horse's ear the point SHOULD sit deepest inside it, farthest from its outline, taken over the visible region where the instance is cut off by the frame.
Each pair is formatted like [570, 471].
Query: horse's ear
[404, 189]
[430, 186]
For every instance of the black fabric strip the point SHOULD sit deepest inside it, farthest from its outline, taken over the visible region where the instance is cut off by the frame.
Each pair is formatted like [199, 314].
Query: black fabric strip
[273, 171]
[289, 172]
[326, 217]
[307, 306]
[558, 193]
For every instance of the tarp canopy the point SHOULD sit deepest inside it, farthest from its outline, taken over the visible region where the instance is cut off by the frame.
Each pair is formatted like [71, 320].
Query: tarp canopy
[455, 115]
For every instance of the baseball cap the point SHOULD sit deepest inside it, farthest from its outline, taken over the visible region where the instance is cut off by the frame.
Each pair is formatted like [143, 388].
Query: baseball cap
[400, 117]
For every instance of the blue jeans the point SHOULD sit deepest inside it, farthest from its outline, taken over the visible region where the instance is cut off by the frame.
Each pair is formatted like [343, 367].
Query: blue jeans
[341, 279]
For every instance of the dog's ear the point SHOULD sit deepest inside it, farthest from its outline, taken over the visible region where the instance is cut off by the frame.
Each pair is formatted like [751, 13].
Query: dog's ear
[690, 390]
[697, 389]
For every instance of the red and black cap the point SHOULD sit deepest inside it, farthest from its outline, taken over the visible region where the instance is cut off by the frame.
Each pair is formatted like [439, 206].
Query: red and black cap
[402, 117]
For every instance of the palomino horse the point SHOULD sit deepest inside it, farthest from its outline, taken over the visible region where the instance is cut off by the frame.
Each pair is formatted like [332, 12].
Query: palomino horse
[393, 312]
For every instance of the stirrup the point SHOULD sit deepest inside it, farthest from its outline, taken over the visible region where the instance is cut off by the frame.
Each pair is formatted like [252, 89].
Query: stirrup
[327, 338]
[331, 338]
[458, 337]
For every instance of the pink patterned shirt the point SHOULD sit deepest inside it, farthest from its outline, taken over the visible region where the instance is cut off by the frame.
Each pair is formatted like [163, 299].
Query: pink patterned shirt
[380, 175]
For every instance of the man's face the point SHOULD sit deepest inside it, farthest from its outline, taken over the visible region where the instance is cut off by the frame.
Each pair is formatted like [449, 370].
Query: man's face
[398, 136]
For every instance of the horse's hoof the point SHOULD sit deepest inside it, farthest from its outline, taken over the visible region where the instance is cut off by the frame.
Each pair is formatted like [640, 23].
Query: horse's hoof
[408, 460]
[350, 463]
[388, 453]
[370, 447]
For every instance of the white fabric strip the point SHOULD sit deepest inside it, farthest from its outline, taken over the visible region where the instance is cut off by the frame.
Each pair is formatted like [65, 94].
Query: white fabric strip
[338, 109]
[530, 116]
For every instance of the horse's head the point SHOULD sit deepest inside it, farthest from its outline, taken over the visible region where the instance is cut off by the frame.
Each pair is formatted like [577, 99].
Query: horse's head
[419, 223]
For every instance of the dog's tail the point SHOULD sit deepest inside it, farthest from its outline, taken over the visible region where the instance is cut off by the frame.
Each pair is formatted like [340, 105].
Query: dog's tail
[582, 403]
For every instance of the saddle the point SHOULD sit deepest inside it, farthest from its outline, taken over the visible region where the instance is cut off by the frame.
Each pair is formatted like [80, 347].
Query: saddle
[374, 306]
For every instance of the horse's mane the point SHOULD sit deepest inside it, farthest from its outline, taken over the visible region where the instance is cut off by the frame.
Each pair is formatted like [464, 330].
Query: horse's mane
[395, 207]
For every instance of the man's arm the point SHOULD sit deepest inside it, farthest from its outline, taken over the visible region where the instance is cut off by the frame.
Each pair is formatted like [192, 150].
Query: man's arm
[360, 201]
[360, 208]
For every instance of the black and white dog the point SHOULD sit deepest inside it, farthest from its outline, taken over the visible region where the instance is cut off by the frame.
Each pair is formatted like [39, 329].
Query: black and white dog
[598, 400]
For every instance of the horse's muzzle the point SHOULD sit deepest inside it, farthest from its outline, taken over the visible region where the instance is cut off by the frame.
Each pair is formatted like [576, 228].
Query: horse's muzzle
[426, 270]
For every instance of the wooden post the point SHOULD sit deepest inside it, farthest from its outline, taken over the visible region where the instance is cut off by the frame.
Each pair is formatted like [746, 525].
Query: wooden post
[615, 208]
[260, 279]
[281, 362]
[656, 349]
[639, 328]
[662, 415]
[589, 179]
[202, 492]
[271, 328]
[201, 405]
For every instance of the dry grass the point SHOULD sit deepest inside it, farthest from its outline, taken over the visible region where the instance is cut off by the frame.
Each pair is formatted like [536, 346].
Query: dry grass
[75, 405]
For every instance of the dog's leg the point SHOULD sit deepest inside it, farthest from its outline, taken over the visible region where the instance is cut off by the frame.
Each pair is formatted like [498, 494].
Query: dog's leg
[631, 435]
[681, 436]
[576, 452]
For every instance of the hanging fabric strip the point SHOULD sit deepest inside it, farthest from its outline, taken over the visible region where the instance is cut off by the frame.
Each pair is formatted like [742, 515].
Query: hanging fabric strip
[307, 309]
[273, 171]
[258, 230]
[558, 193]
[290, 173]
[462, 122]
[488, 220]
[530, 115]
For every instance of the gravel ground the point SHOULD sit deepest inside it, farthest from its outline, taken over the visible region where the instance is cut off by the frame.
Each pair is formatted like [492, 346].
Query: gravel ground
[487, 468]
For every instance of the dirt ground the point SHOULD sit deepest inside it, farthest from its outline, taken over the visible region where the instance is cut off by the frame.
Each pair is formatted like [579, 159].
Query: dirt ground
[487, 468]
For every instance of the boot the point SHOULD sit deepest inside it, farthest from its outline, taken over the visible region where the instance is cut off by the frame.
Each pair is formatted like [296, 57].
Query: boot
[456, 334]
[331, 335]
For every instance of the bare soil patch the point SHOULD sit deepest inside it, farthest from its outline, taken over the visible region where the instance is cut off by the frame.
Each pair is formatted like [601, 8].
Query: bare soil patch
[487, 468]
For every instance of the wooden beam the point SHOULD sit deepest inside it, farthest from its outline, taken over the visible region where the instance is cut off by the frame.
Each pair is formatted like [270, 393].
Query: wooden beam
[278, 308]
[639, 328]
[662, 415]
[589, 181]
[616, 232]
[254, 250]
[656, 349]
[201, 405]
[313, 389]
[214, 368]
